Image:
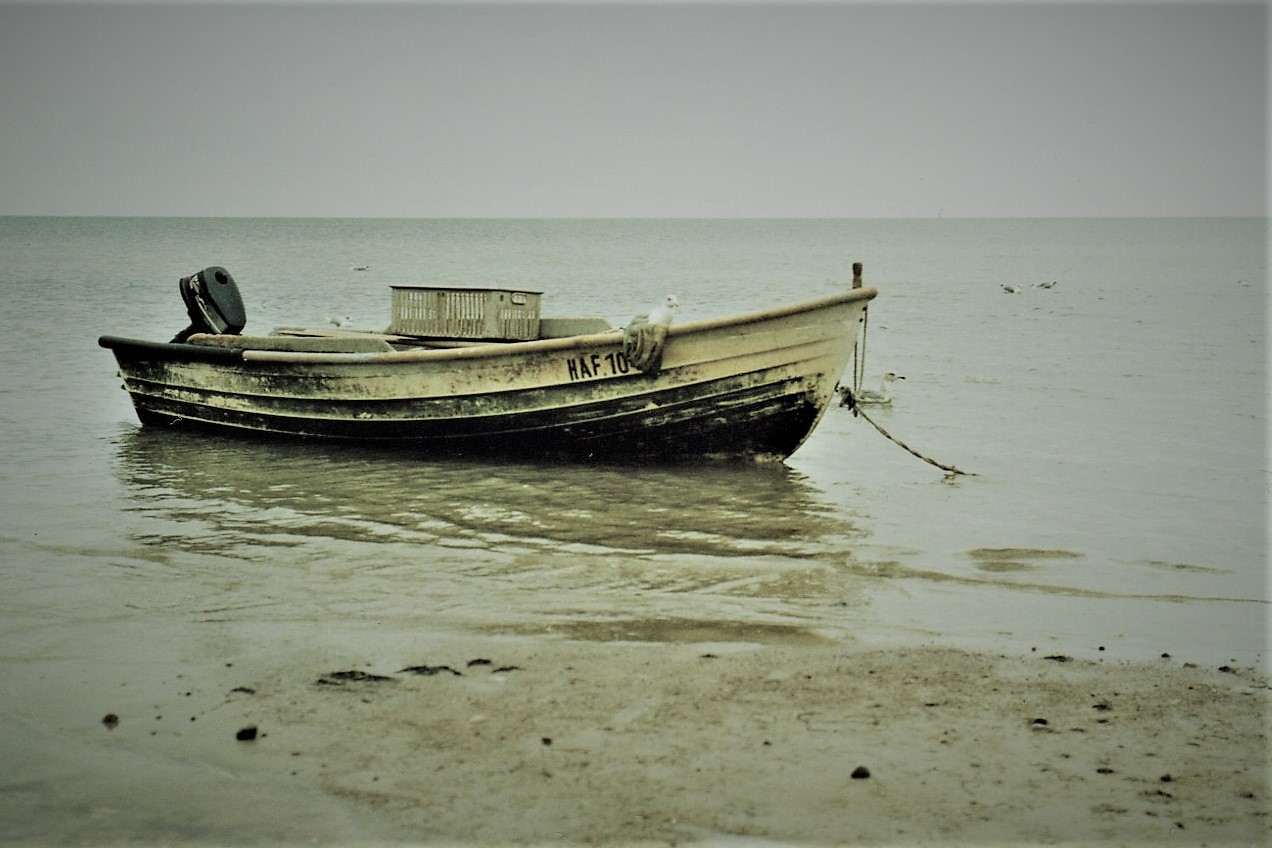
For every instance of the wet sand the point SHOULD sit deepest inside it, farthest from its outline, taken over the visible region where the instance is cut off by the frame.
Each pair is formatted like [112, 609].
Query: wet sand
[497, 739]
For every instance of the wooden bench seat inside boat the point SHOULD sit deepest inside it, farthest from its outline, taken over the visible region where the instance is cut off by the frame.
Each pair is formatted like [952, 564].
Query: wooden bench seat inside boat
[298, 344]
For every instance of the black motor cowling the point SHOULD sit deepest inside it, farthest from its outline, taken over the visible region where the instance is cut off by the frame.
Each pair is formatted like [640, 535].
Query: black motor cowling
[213, 303]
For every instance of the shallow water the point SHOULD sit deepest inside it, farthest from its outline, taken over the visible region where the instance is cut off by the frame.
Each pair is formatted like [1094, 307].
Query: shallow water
[1115, 421]
[1116, 425]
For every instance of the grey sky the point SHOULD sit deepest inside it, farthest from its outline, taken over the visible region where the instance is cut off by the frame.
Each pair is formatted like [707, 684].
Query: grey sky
[830, 109]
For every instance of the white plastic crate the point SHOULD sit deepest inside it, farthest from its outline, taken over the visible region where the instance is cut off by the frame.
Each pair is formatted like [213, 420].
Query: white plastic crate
[451, 313]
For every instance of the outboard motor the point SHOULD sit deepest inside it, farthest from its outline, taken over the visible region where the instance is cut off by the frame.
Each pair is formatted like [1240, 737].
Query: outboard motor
[213, 303]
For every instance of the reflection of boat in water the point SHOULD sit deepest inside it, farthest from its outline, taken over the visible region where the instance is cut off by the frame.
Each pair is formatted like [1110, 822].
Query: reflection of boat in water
[270, 489]
[469, 371]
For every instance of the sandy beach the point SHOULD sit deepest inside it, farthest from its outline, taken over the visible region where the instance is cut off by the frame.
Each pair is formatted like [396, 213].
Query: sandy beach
[787, 739]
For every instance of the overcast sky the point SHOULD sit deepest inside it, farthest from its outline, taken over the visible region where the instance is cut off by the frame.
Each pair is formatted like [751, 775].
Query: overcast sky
[835, 109]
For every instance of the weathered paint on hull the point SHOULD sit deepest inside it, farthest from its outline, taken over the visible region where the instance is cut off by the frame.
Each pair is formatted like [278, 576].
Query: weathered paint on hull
[766, 421]
[751, 386]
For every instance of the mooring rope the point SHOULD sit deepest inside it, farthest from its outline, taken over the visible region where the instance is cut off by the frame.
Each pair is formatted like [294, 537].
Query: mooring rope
[859, 355]
[859, 347]
[949, 469]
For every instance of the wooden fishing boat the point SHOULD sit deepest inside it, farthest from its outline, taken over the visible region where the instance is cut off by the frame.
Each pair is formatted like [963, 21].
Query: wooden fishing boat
[477, 371]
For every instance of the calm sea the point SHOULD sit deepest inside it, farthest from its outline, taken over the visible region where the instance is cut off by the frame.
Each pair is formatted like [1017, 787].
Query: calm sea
[1116, 422]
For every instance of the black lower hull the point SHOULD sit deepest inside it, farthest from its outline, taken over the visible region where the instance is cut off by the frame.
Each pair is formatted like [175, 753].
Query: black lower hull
[769, 420]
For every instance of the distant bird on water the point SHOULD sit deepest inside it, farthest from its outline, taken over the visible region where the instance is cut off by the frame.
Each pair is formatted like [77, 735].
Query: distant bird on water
[339, 320]
[1014, 289]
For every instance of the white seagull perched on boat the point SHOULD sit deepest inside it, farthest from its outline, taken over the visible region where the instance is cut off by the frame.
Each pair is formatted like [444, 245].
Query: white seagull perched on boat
[644, 336]
[661, 314]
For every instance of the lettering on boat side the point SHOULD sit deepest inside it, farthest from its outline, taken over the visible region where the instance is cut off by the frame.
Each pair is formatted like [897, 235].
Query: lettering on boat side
[591, 366]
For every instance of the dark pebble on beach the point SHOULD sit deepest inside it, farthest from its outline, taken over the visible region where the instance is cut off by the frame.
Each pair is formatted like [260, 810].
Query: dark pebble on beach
[339, 678]
[247, 734]
[860, 773]
[430, 670]
[111, 721]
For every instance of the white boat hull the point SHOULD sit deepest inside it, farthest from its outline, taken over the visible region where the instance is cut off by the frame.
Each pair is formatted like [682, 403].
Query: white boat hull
[748, 385]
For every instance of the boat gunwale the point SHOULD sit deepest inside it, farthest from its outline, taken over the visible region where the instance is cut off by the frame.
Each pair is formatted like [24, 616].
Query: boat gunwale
[172, 350]
[497, 349]
[187, 351]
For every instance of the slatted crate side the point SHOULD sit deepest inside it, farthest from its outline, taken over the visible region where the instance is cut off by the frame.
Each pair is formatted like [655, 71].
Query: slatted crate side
[465, 313]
